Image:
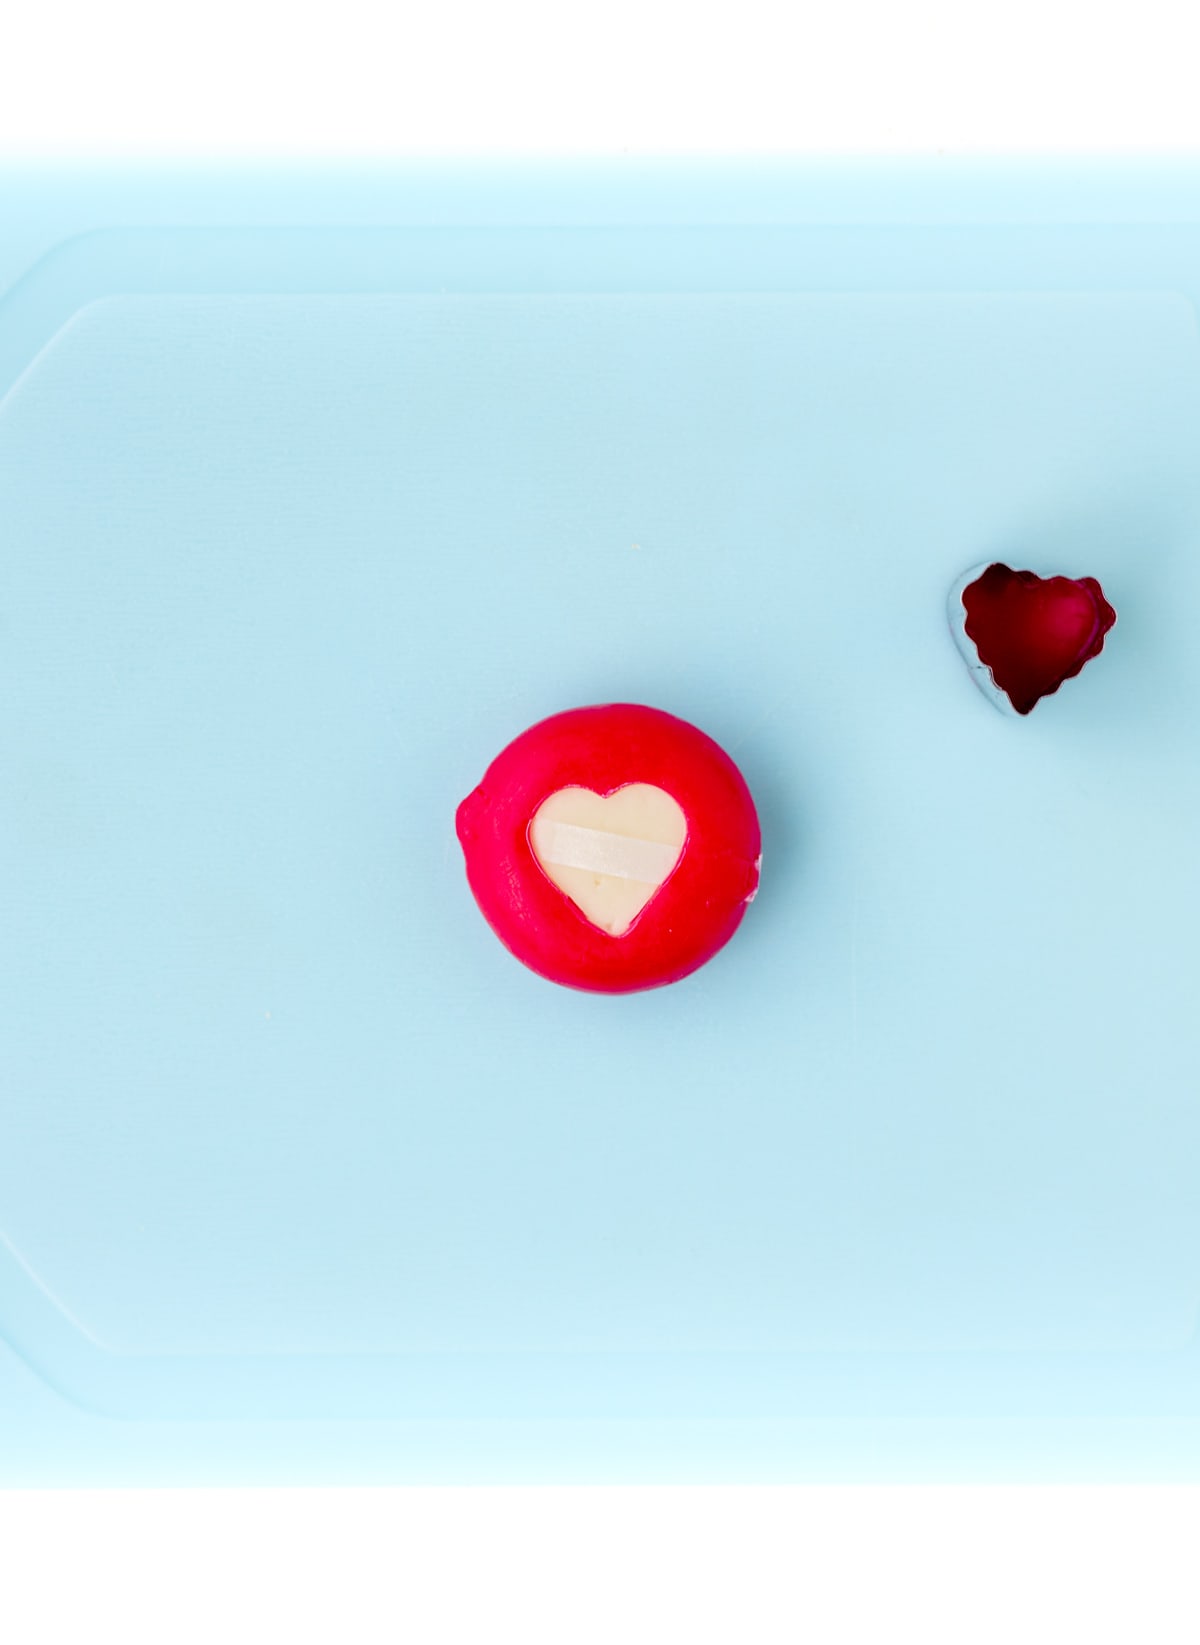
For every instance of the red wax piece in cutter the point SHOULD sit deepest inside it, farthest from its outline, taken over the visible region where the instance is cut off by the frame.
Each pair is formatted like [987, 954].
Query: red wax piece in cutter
[1023, 635]
[618, 814]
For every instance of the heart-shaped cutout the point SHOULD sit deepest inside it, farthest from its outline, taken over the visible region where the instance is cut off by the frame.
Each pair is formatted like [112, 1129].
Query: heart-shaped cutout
[1023, 635]
[609, 853]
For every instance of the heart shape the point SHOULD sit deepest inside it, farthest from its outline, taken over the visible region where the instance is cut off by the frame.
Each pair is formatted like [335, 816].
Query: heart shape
[1023, 635]
[609, 853]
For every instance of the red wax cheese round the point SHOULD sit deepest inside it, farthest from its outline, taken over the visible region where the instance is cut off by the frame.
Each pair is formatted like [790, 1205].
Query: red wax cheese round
[612, 848]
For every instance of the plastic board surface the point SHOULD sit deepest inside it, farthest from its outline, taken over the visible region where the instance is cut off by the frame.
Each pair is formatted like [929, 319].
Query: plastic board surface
[315, 490]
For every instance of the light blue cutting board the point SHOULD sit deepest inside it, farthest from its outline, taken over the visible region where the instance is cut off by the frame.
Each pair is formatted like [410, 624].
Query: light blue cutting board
[314, 491]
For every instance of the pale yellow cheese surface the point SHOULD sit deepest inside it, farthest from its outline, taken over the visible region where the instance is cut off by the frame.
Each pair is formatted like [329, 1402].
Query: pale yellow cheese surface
[609, 853]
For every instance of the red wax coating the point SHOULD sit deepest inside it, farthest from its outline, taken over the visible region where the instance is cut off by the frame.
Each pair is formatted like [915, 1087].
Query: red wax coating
[698, 906]
[1035, 632]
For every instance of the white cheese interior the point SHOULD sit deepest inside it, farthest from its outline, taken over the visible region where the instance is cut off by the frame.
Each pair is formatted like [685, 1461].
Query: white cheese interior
[609, 853]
